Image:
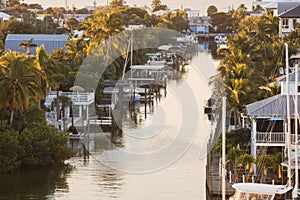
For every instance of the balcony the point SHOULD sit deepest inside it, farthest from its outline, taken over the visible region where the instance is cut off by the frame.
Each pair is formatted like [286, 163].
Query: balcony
[272, 138]
[82, 98]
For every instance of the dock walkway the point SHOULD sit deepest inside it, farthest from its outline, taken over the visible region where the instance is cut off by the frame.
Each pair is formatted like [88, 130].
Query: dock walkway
[214, 180]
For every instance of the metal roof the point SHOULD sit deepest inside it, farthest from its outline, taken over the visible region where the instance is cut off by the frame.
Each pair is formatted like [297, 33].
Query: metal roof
[293, 12]
[273, 106]
[291, 77]
[287, 8]
[282, 6]
[50, 41]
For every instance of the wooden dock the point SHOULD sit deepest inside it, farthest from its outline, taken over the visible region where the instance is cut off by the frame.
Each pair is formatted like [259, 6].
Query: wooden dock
[214, 180]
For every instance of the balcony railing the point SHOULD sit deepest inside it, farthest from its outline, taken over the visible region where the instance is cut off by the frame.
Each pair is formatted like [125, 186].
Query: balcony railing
[273, 137]
[270, 137]
[79, 97]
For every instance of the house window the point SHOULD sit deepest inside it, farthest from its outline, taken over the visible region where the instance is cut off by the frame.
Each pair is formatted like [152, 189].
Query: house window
[285, 23]
[298, 88]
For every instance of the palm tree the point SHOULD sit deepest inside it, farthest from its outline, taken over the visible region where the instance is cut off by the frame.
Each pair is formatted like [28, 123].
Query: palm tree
[48, 67]
[103, 25]
[157, 5]
[76, 50]
[20, 82]
[27, 44]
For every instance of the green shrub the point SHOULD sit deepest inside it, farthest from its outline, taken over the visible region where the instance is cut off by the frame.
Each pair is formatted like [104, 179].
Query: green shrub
[9, 151]
[43, 146]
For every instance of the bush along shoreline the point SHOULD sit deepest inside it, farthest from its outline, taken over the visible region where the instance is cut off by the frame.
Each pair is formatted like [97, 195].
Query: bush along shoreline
[38, 146]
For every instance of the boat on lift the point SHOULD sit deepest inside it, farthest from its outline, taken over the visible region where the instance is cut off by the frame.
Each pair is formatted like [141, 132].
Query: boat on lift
[258, 191]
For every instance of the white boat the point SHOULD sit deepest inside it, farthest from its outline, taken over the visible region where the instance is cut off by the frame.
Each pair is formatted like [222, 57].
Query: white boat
[220, 39]
[258, 191]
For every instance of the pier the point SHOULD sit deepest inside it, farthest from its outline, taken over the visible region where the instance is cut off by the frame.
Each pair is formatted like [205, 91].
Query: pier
[214, 179]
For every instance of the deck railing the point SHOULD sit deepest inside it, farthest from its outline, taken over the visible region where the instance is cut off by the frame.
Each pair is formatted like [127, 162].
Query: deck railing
[79, 97]
[270, 137]
[273, 137]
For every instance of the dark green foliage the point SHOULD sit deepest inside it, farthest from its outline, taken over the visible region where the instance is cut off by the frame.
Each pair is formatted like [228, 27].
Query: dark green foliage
[221, 22]
[9, 151]
[41, 145]
[236, 141]
[239, 137]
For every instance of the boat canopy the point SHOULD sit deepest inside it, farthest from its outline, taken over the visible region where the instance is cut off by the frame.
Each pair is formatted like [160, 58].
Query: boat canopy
[256, 188]
[261, 188]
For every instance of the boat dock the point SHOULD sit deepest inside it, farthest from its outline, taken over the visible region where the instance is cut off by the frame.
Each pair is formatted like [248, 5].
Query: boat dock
[214, 180]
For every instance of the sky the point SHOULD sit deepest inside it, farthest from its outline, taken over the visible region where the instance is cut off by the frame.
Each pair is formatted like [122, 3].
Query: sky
[201, 5]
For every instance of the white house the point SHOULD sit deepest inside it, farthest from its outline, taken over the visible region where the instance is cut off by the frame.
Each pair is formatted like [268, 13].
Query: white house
[4, 17]
[269, 118]
[288, 20]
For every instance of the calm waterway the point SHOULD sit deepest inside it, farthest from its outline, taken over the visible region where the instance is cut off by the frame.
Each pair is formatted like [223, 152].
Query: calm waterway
[177, 173]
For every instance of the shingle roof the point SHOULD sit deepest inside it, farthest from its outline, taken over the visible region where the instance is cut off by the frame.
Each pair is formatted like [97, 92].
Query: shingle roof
[273, 106]
[50, 41]
[291, 13]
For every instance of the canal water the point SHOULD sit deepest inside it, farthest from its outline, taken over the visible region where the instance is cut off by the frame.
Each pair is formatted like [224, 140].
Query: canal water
[161, 157]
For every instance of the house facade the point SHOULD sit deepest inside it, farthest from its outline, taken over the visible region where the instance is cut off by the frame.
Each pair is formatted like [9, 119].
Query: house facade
[269, 123]
[288, 21]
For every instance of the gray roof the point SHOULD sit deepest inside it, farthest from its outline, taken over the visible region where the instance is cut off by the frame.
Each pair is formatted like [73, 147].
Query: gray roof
[291, 77]
[272, 5]
[273, 106]
[50, 41]
[282, 6]
[293, 12]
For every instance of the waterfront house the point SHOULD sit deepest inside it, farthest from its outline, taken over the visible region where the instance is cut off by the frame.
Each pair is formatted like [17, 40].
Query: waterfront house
[81, 101]
[288, 20]
[200, 27]
[269, 118]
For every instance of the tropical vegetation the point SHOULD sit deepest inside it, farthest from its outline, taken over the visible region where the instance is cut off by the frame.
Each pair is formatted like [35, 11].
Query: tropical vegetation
[255, 54]
[25, 78]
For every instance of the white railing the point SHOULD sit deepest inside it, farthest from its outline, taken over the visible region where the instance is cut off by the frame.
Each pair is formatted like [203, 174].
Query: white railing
[80, 96]
[270, 137]
[273, 138]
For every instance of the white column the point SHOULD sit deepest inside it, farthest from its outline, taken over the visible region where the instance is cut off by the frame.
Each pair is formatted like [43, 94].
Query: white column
[87, 113]
[285, 138]
[288, 114]
[253, 138]
[253, 142]
[80, 111]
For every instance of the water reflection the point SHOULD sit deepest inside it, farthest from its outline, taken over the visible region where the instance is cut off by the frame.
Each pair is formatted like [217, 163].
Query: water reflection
[92, 180]
[34, 183]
